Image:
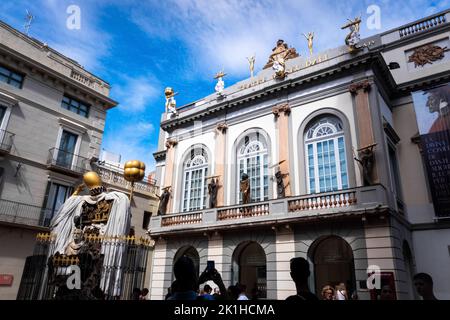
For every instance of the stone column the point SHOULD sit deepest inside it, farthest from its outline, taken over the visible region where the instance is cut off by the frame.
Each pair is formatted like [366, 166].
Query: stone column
[360, 91]
[281, 113]
[169, 168]
[159, 271]
[364, 118]
[220, 148]
[285, 251]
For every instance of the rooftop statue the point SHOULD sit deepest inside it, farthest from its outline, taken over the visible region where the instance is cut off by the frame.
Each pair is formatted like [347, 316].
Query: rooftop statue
[281, 53]
[251, 64]
[171, 104]
[310, 38]
[220, 85]
[353, 38]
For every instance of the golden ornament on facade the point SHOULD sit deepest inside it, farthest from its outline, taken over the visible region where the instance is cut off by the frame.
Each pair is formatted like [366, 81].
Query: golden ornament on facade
[134, 170]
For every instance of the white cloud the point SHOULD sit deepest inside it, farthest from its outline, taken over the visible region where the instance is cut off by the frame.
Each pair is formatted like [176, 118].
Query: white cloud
[135, 93]
[221, 33]
[132, 141]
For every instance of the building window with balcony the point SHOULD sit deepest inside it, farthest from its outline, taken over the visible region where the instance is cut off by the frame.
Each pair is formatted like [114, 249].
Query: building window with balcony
[252, 159]
[10, 77]
[66, 151]
[76, 106]
[326, 162]
[195, 185]
[56, 195]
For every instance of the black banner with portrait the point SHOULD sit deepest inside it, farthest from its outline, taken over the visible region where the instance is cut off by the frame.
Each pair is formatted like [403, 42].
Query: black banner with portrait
[432, 108]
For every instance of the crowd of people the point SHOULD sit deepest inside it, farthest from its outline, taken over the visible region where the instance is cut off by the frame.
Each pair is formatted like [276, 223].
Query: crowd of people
[187, 283]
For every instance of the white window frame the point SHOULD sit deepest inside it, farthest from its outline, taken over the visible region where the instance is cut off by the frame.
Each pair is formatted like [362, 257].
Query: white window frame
[8, 102]
[337, 133]
[243, 155]
[72, 127]
[188, 169]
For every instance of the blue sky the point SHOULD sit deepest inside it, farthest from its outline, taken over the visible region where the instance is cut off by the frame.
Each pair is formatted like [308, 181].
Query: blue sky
[140, 47]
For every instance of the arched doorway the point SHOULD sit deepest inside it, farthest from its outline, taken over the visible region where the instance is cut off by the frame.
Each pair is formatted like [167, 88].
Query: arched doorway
[190, 252]
[333, 263]
[249, 267]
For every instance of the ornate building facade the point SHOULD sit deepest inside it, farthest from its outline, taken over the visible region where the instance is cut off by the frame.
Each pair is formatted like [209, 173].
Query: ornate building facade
[52, 117]
[334, 154]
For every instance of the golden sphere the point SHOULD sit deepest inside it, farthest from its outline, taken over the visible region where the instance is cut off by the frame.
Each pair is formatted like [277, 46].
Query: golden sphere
[134, 170]
[92, 180]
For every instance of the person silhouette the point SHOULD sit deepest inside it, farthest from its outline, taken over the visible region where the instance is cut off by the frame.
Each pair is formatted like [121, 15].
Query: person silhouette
[186, 280]
[300, 274]
[424, 286]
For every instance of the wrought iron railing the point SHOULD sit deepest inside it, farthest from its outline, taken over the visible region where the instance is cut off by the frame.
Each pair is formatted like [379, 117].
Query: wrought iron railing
[22, 213]
[6, 140]
[46, 273]
[68, 161]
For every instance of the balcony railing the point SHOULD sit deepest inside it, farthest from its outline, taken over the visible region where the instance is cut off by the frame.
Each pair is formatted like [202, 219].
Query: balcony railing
[114, 177]
[22, 213]
[422, 25]
[361, 199]
[66, 161]
[6, 141]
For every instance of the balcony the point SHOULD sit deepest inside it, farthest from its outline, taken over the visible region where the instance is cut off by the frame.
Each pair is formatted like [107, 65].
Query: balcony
[23, 214]
[6, 141]
[66, 162]
[291, 209]
[113, 176]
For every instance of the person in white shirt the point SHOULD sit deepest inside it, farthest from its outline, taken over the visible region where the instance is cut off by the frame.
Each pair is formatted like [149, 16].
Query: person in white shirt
[242, 295]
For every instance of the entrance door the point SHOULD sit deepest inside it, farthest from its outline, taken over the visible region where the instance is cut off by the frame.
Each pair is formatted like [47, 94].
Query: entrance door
[251, 261]
[333, 264]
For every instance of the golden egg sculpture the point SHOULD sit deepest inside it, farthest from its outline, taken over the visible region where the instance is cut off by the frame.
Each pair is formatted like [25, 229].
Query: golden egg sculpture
[92, 180]
[134, 170]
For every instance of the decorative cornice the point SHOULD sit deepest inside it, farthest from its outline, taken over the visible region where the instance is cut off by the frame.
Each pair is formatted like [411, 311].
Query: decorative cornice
[281, 108]
[170, 143]
[222, 127]
[354, 88]
[159, 155]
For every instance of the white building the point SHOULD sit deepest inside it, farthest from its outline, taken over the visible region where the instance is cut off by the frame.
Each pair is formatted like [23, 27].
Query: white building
[312, 124]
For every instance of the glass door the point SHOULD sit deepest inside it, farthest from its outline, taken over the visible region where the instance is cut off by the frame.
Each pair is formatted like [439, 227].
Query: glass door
[66, 150]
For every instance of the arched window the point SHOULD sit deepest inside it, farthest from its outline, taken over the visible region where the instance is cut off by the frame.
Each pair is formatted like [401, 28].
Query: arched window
[194, 186]
[326, 156]
[252, 157]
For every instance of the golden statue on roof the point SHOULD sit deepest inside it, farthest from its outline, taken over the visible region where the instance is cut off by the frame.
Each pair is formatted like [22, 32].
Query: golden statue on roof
[281, 52]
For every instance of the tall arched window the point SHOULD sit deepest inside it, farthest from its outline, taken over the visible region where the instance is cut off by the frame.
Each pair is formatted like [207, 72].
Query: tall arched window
[252, 157]
[326, 156]
[194, 186]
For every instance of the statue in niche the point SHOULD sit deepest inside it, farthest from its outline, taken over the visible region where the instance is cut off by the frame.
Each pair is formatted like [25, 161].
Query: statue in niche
[366, 160]
[245, 188]
[212, 190]
[163, 201]
[281, 188]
